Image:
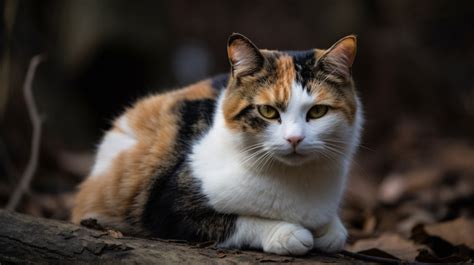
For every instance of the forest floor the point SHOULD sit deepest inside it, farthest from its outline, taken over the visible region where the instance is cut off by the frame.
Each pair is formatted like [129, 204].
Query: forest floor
[411, 202]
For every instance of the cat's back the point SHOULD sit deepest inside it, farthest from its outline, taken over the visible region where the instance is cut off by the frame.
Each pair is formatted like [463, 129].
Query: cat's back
[144, 143]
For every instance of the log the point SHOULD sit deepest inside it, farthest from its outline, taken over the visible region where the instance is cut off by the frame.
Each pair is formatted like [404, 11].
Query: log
[31, 240]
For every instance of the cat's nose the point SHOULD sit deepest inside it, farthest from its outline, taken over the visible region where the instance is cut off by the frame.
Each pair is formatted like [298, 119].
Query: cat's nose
[295, 140]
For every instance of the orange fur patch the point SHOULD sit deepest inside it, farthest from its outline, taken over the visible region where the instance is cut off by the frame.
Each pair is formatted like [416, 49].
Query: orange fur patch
[278, 94]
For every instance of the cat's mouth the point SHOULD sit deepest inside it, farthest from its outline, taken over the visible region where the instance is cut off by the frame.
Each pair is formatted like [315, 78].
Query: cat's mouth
[294, 153]
[294, 158]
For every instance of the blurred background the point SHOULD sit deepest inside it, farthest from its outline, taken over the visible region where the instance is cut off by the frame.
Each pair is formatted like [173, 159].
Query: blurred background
[414, 71]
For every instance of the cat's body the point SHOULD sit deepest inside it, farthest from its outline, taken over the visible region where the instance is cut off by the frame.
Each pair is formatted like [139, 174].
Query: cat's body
[208, 162]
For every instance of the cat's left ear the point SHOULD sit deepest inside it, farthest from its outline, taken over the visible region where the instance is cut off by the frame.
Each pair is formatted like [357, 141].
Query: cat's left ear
[245, 58]
[340, 57]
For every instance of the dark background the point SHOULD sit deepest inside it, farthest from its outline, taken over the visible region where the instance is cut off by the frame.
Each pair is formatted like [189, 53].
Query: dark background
[414, 70]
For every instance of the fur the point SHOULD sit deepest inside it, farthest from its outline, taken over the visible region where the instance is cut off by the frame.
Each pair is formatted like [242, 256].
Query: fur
[202, 163]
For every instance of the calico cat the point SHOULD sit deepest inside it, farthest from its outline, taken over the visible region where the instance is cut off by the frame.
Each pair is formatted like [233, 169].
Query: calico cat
[255, 158]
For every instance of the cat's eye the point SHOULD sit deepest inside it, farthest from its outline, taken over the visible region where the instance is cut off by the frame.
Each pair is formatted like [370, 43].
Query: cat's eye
[268, 112]
[317, 112]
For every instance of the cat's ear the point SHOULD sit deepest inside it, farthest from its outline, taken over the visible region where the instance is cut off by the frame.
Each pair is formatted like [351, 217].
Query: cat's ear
[244, 56]
[339, 58]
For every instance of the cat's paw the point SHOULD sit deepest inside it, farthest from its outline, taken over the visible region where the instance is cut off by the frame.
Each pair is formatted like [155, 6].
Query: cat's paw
[289, 239]
[333, 239]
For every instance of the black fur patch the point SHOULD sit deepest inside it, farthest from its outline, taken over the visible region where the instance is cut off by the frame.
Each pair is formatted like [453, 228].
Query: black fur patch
[305, 63]
[175, 208]
[250, 119]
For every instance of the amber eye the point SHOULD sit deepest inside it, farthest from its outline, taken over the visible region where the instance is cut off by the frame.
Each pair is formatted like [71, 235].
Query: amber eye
[317, 112]
[268, 112]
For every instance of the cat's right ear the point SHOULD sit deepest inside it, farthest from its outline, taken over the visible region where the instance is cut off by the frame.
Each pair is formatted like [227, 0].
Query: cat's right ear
[244, 57]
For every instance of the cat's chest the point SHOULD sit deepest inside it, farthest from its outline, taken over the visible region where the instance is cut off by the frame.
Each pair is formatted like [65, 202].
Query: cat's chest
[232, 189]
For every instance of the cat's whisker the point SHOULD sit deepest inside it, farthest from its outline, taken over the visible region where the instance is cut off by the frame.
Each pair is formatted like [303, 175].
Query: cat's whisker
[349, 143]
[268, 159]
[359, 166]
[261, 164]
[332, 150]
[265, 163]
[251, 148]
[257, 164]
[259, 153]
[339, 150]
[327, 155]
[254, 155]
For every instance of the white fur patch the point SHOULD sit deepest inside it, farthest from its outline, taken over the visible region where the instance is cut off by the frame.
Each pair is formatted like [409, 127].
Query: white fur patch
[294, 118]
[111, 146]
[273, 236]
[123, 125]
[333, 239]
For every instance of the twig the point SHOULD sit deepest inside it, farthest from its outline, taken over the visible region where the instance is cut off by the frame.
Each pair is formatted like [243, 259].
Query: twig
[35, 118]
[368, 258]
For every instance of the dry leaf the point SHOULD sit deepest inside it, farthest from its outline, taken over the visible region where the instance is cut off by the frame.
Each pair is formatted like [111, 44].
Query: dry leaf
[115, 234]
[392, 244]
[456, 232]
[395, 186]
[391, 188]
[415, 217]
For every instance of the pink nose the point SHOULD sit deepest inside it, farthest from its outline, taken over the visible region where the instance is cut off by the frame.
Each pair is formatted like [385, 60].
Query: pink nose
[294, 140]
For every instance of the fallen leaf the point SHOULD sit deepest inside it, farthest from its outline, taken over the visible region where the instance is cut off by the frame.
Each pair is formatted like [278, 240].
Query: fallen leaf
[391, 189]
[459, 256]
[457, 232]
[414, 217]
[392, 244]
[221, 254]
[370, 224]
[115, 234]
[395, 186]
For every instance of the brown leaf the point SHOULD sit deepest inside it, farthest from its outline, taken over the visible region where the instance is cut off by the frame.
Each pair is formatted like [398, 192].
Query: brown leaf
[392, 244]
[115, 234]
[221, 254]
[415, 215]
[456, 232]
[395, 186]
[459, 256]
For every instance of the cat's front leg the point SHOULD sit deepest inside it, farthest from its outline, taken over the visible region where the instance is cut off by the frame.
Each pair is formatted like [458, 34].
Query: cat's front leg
[331, 237]
[272, 236]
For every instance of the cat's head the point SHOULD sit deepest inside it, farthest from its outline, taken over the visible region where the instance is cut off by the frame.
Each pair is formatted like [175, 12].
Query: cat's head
[295, 107]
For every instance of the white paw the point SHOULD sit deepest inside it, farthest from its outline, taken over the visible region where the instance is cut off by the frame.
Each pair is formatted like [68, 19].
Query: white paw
[333, 239]
[289, 239]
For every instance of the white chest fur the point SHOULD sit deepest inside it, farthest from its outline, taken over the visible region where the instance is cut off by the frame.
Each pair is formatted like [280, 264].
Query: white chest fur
[308, 195]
